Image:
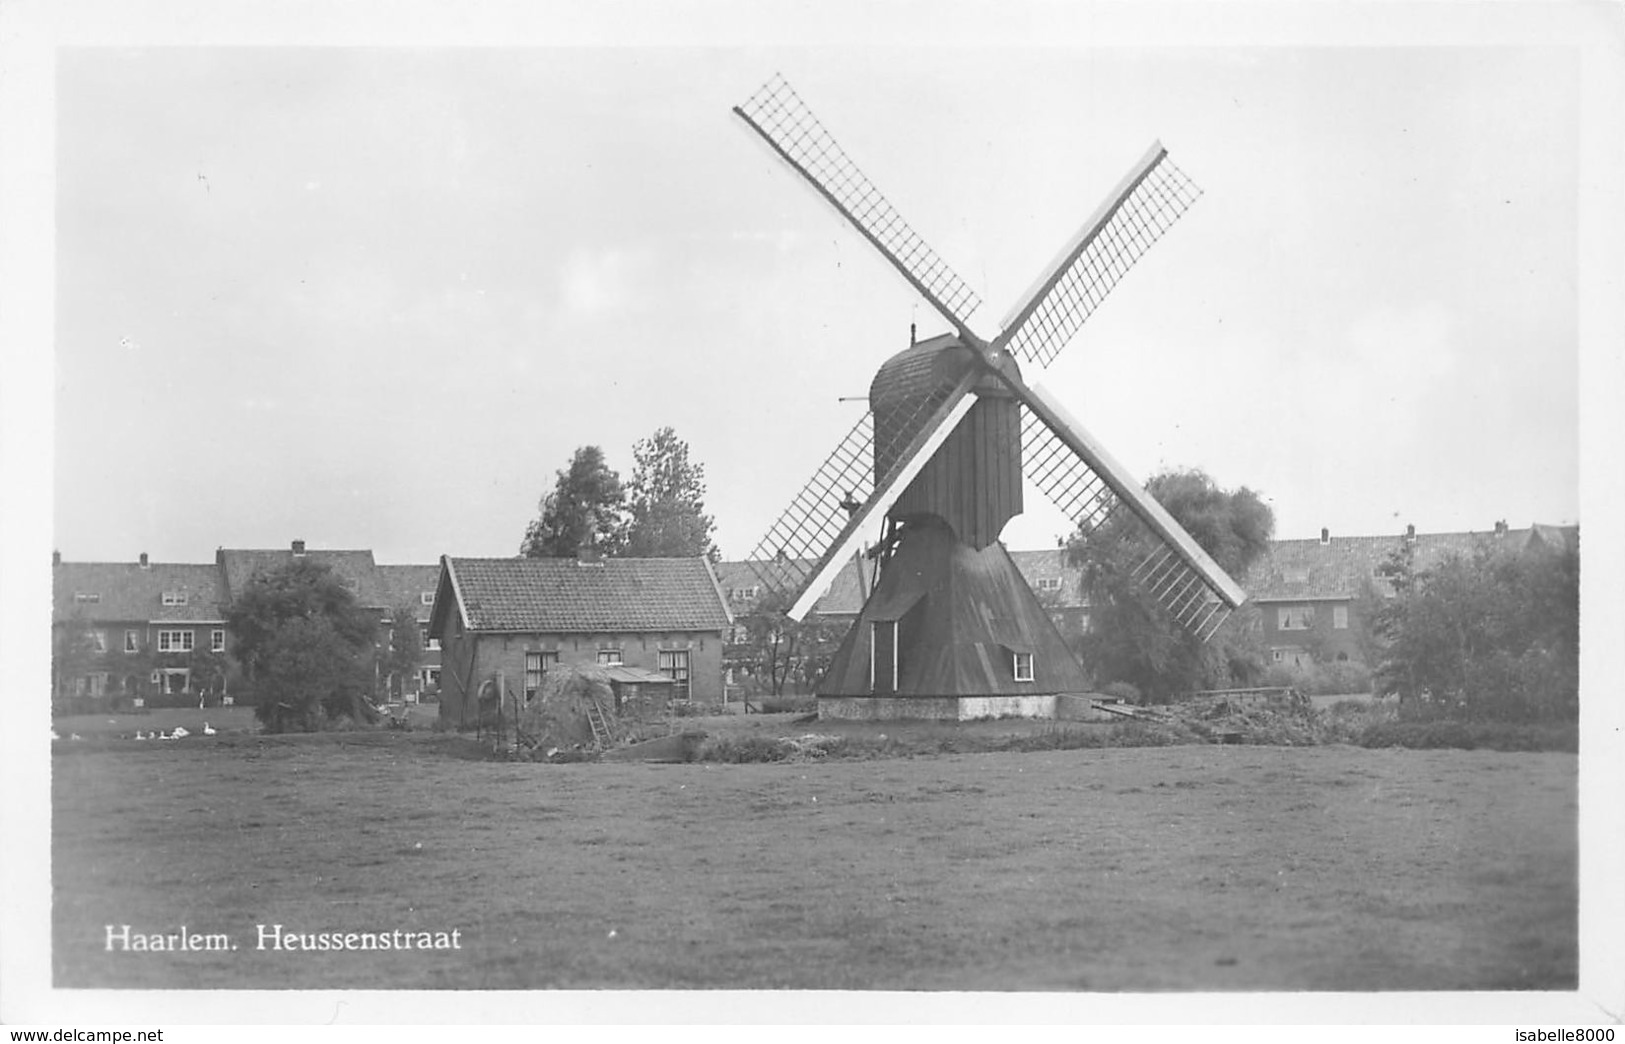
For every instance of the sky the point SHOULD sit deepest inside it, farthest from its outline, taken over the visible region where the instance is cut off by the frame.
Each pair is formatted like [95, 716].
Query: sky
[376, 297]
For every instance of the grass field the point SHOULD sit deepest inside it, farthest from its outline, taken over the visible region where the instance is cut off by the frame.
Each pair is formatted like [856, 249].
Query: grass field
[1169, 868]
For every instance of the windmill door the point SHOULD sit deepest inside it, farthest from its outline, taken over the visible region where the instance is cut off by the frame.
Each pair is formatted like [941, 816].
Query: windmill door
[883, 658]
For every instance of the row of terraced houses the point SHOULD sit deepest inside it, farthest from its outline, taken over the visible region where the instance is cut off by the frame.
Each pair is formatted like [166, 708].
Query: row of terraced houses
[672, 622]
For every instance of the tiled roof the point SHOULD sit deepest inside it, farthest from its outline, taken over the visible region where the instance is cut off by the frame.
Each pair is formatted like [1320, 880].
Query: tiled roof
[1309, 570]
[562, 595]
[355, 568]
[403, 587]
[128, 591]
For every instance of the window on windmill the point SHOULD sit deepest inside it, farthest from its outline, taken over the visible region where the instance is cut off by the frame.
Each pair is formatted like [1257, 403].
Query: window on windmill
[1023, 666]
[175, 598]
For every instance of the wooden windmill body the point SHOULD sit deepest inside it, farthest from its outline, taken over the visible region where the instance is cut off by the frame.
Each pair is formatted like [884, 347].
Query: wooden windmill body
[951, 628]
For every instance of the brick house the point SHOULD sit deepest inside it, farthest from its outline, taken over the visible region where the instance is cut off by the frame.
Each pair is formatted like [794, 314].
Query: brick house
[1308, 591]
[137, 626]
[517, 617]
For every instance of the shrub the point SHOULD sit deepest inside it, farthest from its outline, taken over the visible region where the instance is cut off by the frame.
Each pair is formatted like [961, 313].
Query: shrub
[789, 704]
[1128, 692]
[736, 750]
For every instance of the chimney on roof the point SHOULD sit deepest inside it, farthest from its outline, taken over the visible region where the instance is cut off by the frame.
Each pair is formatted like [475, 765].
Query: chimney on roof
[588, 556]
[1410, 534]
[1325, 535]
[143, 560]
[1501, 528]
[298, 547]
[56, 558]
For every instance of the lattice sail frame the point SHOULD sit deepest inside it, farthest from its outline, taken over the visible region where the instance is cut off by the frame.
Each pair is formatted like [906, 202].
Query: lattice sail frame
[777, 113]
[1151, 197]
[796, 545]
[1085, 497]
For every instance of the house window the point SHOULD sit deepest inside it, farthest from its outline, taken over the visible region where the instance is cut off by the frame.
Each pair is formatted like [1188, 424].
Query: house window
[175, 598]
[536, 665]
[1340, 617]
[174, 641]
[745, 594]
[674, 665]
[609, 657]
[883, 658]
[1294, 618]
[426, 597]
[98, 641]
[429, 677]
[132, 641]
[1049, 583]
[430, 642]
[98, 683]
[86, 596]
[217, 640]
[1023, 666]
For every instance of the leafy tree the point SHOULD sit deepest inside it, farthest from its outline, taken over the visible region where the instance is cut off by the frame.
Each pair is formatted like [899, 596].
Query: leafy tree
[400, 656]
[782, 650]
[1490, 635]
[667, 501]
[1134, 639]
[305, 646]
[586, 509]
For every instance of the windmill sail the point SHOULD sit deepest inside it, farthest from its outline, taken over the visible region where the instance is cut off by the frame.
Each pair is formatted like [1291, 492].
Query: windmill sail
[914, 445]
[777, 113]
[1081, 478]
[1145, 204]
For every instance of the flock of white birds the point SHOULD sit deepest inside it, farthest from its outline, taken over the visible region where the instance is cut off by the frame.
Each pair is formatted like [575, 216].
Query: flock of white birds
[179, 732]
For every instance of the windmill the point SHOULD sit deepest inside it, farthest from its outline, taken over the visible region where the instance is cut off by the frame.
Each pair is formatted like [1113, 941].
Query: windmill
[950, 627]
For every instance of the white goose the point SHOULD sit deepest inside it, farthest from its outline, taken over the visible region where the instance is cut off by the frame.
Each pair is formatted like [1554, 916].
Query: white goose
[179, 733]
[209, 730]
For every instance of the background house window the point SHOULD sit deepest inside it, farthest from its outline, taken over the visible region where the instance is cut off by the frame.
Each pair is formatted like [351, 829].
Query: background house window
[609, 657]
[174, 641]
[1023, 666]
[537, 665]
[1340, 617]
[86, 596]
[430, 642]
[1049, 583]
[1294, 618]
[98, 641]
[217, 640]
[175, 598]
[132, 641]
[674, 665]
[426, 597]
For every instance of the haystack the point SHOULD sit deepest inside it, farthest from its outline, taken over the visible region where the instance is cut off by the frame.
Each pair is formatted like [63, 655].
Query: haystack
[556, 717]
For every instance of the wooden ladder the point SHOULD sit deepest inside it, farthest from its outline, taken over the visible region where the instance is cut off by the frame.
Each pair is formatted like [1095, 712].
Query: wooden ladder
[600, 727]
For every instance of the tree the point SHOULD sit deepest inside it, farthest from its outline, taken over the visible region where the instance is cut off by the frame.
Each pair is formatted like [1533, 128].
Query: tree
[305, 645]
[667, 500]
[73, 653]
[1131, 637]
[585, 510]
[400, 656]
[1491, 635]
[781, 649]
